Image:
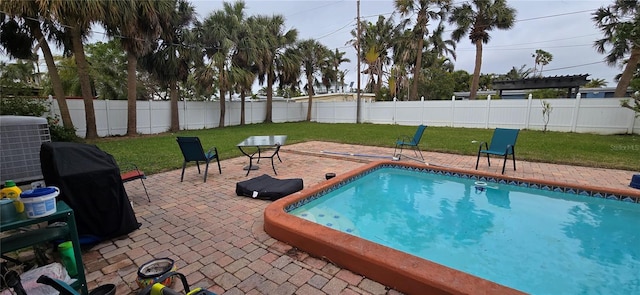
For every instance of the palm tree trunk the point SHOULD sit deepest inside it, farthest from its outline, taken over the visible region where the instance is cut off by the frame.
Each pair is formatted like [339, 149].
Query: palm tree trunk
[476, 71]
[269, 114]
[173, 98]
[310, 90]
[627, 74]
[379, 80]
[85, 84]
[417, 71]
[337, 77]
[132, 112]
[223, 107]
[56, 82]
[243, 93]
[371, 84]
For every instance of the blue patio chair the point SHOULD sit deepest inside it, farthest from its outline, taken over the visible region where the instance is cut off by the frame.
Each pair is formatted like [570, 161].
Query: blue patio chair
[412, 142]
[192, 151]
[503, 144]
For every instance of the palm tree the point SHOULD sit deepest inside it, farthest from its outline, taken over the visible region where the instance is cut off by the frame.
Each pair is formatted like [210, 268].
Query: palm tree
[404, 51]
[328, 75]
[341, 76]
[375, 41]
[270, 58]
[424, 12]
[462, 80]
[288, 71]
[19, 73]
[337, 58]
[243, 78]
[372, 59]
[69, 75]
[596, 83]
[171, 60]
[313, 56]
[385, 31]
[439, 47]
[108, 69]
[137, 23]
[541, 58]
[76, 17]
[29, 12]
[518, 73]
[488, 15]
[243, 70]
[620, 22]
[219, 35]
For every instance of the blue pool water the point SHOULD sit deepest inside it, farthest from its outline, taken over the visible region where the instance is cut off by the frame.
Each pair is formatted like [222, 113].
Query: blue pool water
[533, 240]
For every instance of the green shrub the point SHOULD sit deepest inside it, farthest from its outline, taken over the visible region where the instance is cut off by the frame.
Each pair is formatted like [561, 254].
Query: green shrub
[24, 106]
[61, 133]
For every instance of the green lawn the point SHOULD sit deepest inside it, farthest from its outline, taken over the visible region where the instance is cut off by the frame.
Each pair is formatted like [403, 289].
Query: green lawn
[157, 153]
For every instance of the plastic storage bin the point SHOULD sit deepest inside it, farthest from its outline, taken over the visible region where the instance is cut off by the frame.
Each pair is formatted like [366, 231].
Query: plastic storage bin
[40, 201]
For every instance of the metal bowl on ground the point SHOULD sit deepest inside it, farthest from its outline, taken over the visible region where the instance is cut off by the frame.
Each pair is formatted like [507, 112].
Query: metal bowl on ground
[150, 272]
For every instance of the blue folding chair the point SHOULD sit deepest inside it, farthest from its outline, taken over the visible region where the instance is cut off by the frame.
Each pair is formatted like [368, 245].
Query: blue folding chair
[503, 144]
[412, 142]
[192, 151]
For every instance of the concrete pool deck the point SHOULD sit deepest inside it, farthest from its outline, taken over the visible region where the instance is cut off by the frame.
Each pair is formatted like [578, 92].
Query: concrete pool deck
[217, 238]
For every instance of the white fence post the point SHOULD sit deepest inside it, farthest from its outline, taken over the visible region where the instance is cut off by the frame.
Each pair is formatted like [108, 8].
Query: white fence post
[575, 113]
[106, 106]
[453, 110]
[395, 111]
[486, 123]
[365, 110]
[422, 111]
[632, 122]
[528, 118]
[204, 116]
[150, 118]
[186, 115]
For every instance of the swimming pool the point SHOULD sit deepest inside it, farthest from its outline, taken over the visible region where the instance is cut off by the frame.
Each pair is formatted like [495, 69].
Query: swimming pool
[415, 275]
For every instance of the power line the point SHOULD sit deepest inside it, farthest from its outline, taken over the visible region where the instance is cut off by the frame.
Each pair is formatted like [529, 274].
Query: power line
[523, 48]
[331, 33]
[316, 8]
[575, 66]
[554, 15]
[544, 41]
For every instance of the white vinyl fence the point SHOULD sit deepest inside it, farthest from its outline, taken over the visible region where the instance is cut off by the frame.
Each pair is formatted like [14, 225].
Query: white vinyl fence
[601, 116]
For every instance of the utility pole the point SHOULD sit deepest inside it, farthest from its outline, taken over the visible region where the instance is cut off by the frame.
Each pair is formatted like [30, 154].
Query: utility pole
[358, 58]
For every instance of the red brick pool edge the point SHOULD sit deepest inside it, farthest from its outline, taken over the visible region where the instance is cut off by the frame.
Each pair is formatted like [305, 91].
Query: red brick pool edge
[396, 269]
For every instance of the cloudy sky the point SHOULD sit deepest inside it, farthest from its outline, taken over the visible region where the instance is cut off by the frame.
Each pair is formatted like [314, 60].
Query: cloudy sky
[563, 27]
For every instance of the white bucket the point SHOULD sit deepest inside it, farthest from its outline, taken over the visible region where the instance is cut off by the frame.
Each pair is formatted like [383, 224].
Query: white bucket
[40, 202]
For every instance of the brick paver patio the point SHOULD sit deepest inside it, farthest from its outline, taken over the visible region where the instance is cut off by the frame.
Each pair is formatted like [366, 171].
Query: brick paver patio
[217, 238]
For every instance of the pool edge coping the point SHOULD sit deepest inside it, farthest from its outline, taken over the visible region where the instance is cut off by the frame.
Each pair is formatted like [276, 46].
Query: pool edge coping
[401, 271]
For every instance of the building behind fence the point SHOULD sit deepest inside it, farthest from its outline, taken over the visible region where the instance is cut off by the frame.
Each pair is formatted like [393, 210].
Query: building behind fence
[601, 116]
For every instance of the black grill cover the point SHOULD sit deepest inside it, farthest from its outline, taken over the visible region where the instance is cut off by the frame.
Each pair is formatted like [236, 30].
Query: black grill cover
[89, 182]
[268, 188]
